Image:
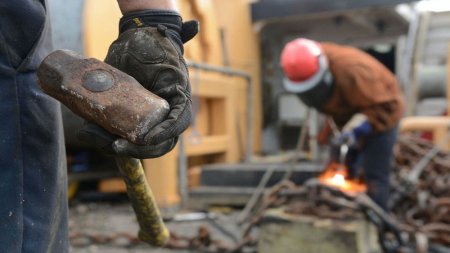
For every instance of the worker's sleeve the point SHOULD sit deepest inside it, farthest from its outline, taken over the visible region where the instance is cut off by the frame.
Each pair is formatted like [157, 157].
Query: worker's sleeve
[325, 132]
[383, 116]
[373, 95]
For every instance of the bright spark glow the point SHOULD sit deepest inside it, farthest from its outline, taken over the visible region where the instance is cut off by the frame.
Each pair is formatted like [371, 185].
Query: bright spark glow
[336, 175]
[338, 179]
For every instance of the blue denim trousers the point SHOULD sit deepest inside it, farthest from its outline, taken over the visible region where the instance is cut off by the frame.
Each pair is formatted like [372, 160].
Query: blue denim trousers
[33, 176]
[376, 159]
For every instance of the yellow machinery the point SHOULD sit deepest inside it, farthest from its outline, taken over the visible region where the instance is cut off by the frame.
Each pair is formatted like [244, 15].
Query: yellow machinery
[224, 60]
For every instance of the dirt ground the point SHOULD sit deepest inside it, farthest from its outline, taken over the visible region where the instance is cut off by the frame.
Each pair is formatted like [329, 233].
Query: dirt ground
[110, 219]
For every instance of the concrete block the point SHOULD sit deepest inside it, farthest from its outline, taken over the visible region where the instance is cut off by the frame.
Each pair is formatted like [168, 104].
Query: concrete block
[286, 233]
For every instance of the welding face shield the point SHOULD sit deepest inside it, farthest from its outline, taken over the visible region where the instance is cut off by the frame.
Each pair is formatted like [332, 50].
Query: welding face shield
[306, 72]
[316, 90]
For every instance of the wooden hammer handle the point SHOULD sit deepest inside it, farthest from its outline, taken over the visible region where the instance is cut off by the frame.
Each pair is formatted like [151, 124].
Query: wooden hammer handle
[152, 229]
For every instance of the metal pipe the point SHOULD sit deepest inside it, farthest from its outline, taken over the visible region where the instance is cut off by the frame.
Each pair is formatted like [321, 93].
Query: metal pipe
[313, 131]
[244, 214]
[248, 78]
[419, 48]
[432, 82]
[408, 61]
[183, 188]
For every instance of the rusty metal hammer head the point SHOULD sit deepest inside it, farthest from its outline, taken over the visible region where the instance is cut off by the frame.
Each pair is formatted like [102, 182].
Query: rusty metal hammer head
[102, 94]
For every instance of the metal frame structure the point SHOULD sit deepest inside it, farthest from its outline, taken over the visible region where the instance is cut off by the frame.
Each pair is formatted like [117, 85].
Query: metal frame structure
[269, 9]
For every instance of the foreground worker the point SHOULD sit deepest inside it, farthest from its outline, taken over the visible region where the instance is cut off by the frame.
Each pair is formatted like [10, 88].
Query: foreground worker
[342, 81]
[33, 207]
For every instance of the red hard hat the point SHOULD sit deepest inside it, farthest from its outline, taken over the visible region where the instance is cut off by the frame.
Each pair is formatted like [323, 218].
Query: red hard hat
[300, 59]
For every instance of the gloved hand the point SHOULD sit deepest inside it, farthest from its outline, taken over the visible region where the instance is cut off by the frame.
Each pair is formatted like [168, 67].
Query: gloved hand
[352, 137]
[348, 138]
[150, 48]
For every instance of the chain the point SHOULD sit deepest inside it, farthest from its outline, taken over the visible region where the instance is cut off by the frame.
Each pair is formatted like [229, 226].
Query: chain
[422, 214]
[201, 242]
[313, 199]
[123, 240]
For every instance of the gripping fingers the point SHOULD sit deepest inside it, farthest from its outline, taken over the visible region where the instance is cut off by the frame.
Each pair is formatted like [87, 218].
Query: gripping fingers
[96, 137]
[123, 147]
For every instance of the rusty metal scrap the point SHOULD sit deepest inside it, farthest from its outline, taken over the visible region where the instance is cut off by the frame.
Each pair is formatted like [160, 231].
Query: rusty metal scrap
[83, 239]
[421, 211]
[204, 242]
[418, 221]
[424, 207]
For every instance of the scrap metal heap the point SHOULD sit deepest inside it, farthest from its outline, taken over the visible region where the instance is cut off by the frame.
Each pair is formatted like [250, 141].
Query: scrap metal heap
[418, 220]
[419, 217]
[421, 203]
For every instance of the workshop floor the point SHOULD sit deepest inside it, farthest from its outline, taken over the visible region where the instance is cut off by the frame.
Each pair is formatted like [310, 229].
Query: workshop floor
[108, 220]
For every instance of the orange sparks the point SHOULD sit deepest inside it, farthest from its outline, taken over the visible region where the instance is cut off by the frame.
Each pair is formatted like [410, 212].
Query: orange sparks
[336, 176]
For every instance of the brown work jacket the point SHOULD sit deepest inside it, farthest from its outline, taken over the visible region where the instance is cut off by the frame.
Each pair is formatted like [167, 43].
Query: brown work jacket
[362, 85]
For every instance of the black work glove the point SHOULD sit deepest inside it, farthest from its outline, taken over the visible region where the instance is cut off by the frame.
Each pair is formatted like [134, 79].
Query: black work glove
[150, 49]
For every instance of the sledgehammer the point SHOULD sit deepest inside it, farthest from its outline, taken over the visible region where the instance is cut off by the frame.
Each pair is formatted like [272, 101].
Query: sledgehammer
[114, 100]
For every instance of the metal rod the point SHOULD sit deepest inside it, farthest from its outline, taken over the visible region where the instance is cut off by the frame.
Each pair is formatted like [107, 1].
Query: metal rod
[183, 188]
[248, 78]
[417, 170]
[299, 152]
[406, 71]
[243, 215]
[313, 131]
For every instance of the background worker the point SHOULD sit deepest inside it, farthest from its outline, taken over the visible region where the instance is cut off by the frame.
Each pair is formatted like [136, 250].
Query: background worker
[33, 177]
[343, 81]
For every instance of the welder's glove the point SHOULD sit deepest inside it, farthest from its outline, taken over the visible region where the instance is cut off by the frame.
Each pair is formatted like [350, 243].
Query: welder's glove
[348, 138]
[353, 136]
[150, 48]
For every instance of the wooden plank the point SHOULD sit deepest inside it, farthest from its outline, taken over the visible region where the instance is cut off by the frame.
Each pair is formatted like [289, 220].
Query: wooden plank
[448, 82]
[441, 134]
[243, 56]
[423, 123]
[200, 119]
[206, 46]
[226, 103]
[217, 121]
[100, 26]
[283, 233]
[239, 127]
[231, 117]
[218, 117]
[440, 126]
[112, 185]
[194, 176]
[210, 85]
[162, 175]
[208, 145]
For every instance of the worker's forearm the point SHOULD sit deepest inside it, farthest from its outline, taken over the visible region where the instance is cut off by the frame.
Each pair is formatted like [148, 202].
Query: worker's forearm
[137, 5]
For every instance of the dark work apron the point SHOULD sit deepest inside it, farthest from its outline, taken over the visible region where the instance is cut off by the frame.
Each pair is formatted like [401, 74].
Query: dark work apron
[33, 177]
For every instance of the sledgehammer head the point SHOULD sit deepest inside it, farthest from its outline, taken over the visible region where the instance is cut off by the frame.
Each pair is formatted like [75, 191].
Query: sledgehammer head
[102, 94]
